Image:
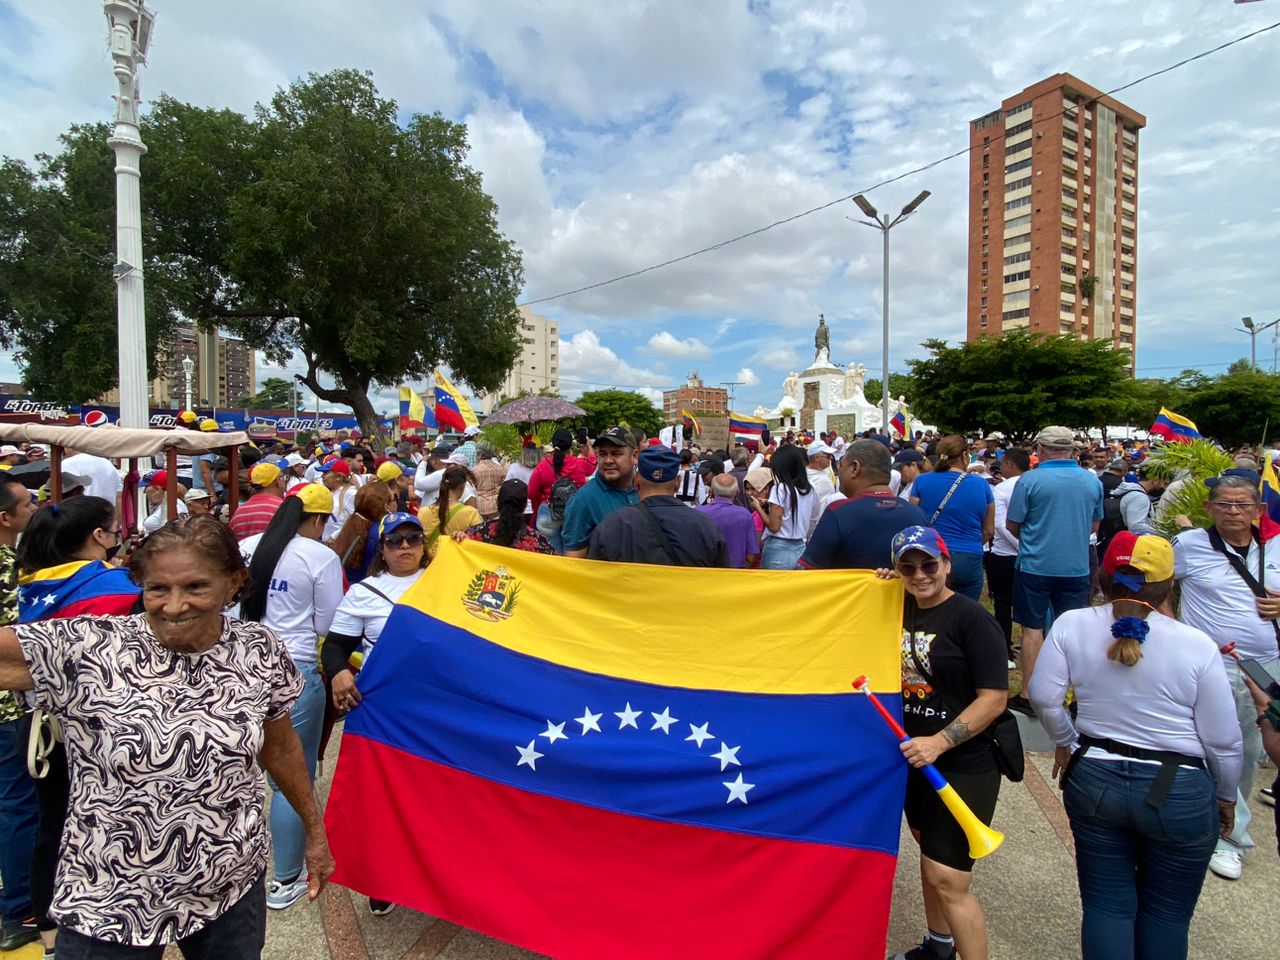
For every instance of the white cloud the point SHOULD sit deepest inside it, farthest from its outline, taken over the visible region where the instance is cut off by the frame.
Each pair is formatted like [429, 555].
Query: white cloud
[669, 345]
[779, 358]
[747, 377]
[587, 364]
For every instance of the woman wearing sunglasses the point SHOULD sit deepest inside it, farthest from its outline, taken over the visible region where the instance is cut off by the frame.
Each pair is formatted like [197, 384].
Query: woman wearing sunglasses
[63, 572]
[954, 684]
[363, 612]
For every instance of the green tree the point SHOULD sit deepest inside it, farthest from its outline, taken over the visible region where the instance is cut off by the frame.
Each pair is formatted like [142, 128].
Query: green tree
[321, 225]
[276, 394]
[619, 408]
[1020, 382]
[900, 385]
[1237, 407]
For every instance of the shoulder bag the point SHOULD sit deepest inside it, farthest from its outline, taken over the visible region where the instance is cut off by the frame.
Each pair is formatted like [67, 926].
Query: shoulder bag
[660, 534]
[1242, 568]
[954, 487]
[1002, 734]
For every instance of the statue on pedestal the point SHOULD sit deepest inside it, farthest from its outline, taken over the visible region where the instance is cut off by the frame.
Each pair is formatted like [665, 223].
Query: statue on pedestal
[855, 380]
[822, 343]
[791, 387]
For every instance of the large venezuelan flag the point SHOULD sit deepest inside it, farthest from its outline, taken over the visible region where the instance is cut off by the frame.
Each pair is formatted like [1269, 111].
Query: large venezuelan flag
[78, 588]
[452, 408]
[744, 425]
[547, 756]
[1174, 427]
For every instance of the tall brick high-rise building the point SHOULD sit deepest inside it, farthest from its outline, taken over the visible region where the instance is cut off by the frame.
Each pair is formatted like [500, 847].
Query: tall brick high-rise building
[1053, 214]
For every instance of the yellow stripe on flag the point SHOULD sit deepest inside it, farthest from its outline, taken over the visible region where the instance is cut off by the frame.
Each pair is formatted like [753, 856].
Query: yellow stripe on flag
[560, 604]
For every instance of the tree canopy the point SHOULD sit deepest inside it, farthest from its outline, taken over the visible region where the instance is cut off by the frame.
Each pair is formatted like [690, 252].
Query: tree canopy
[320, 225]
[274, 394]
[619, 408]
[1020, 382]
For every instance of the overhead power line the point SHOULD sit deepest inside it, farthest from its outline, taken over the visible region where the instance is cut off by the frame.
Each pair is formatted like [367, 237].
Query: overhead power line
[895, 179]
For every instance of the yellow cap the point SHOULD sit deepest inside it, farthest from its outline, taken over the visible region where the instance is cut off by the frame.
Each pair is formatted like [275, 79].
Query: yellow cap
[187, 416]
[390, 471]
[315, 497]
[264, 474]
[209, 426]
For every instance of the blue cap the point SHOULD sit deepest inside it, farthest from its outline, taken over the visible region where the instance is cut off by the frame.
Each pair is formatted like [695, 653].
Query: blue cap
[925, 539]
[659, 464]
[394, 520]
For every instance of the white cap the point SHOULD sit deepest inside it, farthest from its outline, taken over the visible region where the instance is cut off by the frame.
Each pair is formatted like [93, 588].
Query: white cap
[295, 459]
[458, 457]
[819, 447]
[471, 431]
[9, 450]
[195, 493]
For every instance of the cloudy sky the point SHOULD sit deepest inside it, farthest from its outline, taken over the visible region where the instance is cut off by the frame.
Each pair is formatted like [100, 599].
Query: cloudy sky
[616, 135]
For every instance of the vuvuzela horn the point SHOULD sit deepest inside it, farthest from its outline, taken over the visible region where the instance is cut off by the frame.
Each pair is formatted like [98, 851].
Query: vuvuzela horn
[982, 839]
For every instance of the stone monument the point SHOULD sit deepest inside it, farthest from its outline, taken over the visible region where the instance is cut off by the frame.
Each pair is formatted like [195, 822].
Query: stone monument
[822, 343]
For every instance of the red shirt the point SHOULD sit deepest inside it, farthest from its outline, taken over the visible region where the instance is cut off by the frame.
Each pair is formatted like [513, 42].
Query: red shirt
[255, 514]
[544, 476]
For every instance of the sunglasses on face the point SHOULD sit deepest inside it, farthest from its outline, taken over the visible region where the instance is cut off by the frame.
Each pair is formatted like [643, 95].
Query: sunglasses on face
[404, 539]
[927, 567]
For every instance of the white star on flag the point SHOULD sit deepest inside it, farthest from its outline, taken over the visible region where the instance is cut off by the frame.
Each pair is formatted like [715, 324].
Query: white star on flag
[699, 734]
[738, 789]
[628, 717]
[48, 600]
[529, 756]
[727, 755]
[554, 732]
[590, 721]
[663, 720]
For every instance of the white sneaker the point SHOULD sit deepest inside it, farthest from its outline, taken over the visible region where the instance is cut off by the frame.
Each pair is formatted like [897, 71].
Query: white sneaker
[281, 896]
[1227, 864]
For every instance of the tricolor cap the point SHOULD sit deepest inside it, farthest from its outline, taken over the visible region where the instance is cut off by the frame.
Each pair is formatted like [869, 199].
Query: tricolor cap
[315, 497]
[1150, 556]
[390, 471]
[337, 465]
[925, 539]
[393, 520]
[156, 478]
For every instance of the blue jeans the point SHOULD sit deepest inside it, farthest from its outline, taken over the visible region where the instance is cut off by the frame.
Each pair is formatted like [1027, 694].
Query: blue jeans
[18, 816]
[239, 934]
[780, 554]
[549, 528]
[288, 836]
[966, 574]
[1140, 867]
[1240, 841]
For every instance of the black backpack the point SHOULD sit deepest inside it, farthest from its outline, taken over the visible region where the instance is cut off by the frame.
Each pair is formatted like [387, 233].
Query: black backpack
[1112, 517]
[562, 492]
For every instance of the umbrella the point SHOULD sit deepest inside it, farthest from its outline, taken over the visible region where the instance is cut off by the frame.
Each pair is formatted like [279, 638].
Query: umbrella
[535, 410]
[36, 474]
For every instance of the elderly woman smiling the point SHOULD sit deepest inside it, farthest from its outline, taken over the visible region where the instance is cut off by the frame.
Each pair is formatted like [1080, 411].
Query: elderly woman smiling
[168, 716]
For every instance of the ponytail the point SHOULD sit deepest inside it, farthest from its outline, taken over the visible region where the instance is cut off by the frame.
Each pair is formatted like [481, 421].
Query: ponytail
[1130, 629]
[57, 532]
[1130, 633]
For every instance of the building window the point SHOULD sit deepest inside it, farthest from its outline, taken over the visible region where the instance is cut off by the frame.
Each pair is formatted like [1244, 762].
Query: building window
[984, 286]
[1019, 109]
[1020, 165]
[1020, 238]
[1022, 221]
[1069, 251]
[982, 320]
[1016, 314]
[984, 303]
[1068, 233]
[1068, 154]
[1068, 288]
[986, 194]
[1015, 277]
[1018, 128]
[1068, 193]
[1018, 184]
[986, 159]
[1020, 202]
[985, 250]
[1018, 258]
[1068, 270]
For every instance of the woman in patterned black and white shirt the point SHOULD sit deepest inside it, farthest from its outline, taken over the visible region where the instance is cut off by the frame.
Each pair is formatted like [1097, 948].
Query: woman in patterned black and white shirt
[169, 716]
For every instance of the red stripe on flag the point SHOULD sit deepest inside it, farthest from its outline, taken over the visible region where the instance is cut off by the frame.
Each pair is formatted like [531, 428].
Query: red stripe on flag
[580, 883]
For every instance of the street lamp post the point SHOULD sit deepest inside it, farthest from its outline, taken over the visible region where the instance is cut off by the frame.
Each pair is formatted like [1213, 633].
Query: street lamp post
[130, 34]
[188, 368]
[884, 225]
[1253, 329]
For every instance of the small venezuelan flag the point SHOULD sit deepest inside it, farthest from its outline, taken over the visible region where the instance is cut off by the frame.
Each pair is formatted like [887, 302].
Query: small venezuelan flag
[899, 423]
[78, 588]
[452, 409]
[691, 421]
[1174, 427]
[743, 425]
[413, 412]
[618, 790]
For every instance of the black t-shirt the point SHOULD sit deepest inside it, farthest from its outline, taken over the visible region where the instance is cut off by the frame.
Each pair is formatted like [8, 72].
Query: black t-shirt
[962, 647]
[628, 536]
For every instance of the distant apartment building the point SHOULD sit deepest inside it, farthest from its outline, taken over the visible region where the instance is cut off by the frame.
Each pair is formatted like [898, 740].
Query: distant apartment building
[224, 372]
[1053, 215]
[697, 398]
[538, 366]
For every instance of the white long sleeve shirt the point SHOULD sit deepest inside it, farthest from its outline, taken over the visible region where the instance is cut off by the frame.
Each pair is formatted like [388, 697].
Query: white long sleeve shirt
[305, 590]
[1176, 698]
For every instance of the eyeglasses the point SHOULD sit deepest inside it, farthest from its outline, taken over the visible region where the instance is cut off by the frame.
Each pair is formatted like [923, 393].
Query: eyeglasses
[928, 568]
[1234, 506]
[115, 533]
[407, 539]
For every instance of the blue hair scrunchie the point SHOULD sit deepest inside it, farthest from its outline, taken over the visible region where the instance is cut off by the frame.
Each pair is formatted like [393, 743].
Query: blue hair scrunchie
[1131, 628]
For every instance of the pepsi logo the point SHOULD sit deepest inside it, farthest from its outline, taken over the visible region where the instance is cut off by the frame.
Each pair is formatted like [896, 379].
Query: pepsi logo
[95, 418]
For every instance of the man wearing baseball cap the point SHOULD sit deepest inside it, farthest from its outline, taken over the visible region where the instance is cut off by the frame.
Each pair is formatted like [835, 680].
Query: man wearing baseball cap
[820, 455]
[659, 528]
[611, 488]
[253, 516]
[1054, 510]
[10, 456]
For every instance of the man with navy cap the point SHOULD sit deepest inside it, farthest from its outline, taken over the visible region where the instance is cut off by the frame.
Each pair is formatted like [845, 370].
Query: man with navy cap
[659, 529]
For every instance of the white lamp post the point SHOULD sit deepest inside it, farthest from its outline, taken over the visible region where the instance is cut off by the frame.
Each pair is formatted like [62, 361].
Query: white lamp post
[188, 368]
[884, 225]
[130, 25]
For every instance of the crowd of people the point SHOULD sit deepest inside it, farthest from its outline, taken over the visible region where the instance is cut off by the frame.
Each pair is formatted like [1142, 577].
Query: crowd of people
[1039, 561]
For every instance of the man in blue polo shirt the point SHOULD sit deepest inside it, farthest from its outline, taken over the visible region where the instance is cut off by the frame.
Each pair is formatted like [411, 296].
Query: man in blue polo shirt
[856, 533]
[1054, 510]
[611, 488]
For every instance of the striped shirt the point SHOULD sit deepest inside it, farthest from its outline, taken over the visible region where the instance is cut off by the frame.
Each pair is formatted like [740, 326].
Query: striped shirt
[255, 514]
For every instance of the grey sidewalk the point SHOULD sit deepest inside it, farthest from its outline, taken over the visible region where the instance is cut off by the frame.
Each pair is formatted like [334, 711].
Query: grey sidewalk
[1028, 888]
